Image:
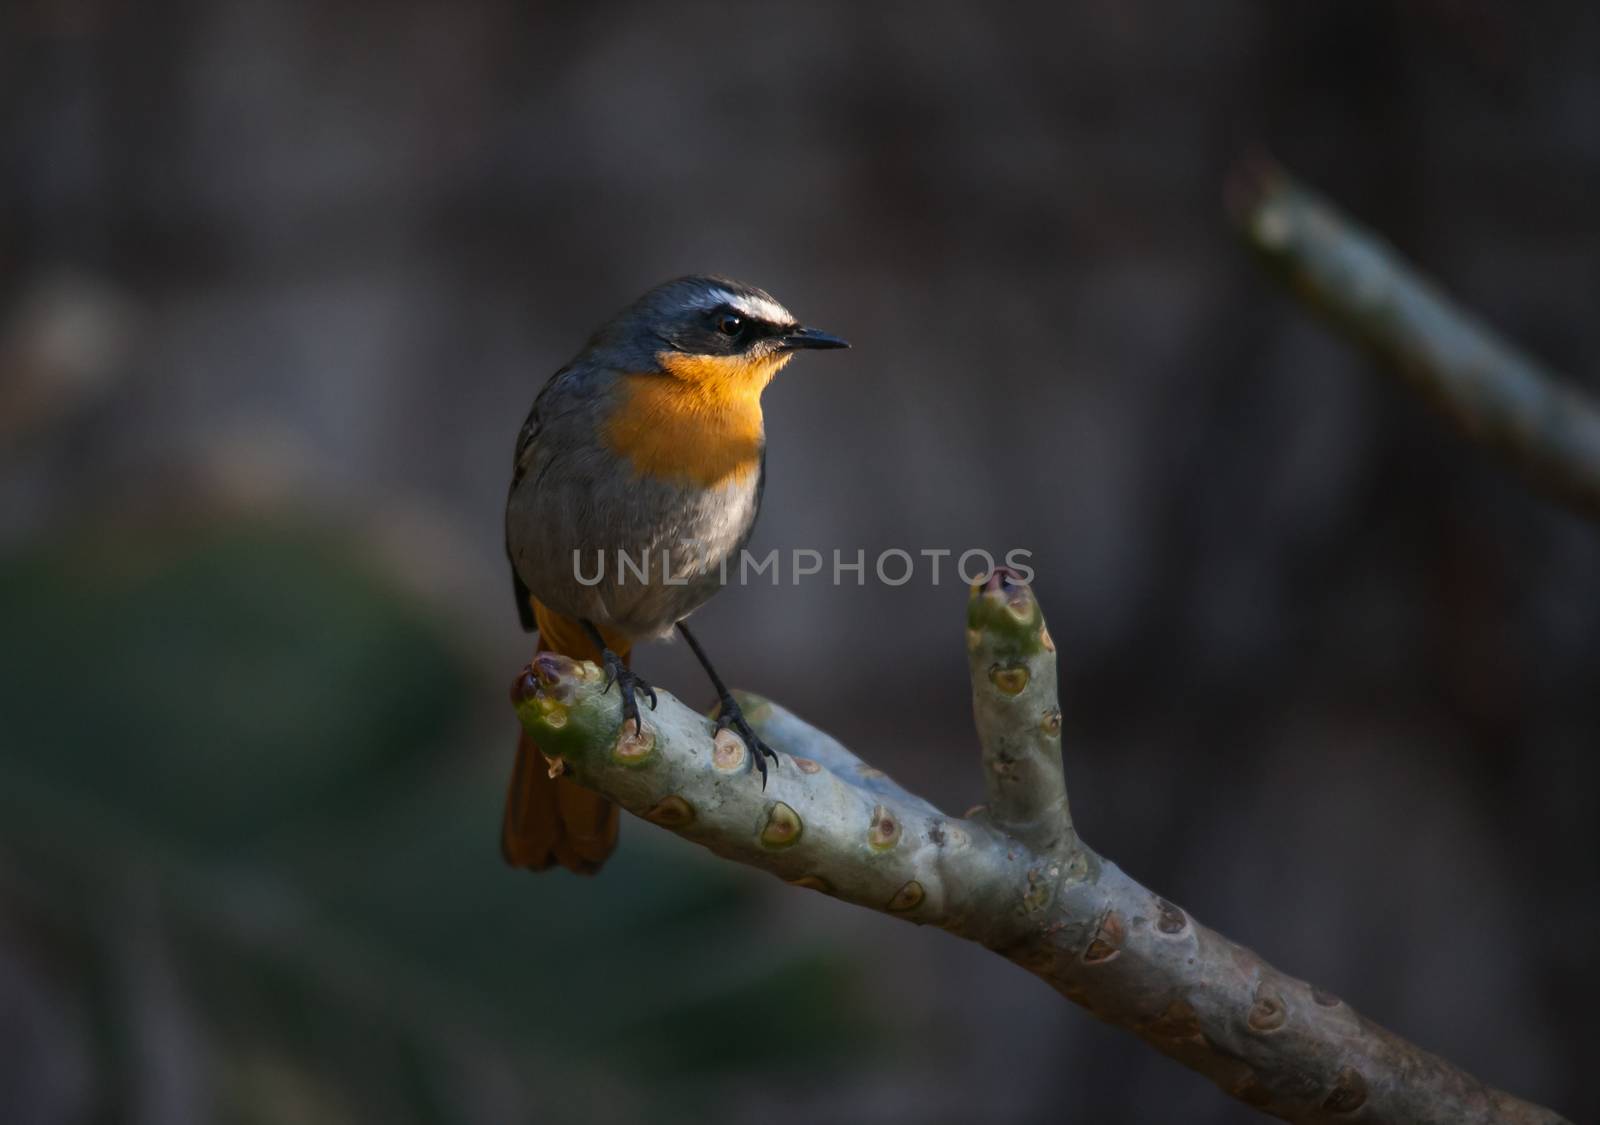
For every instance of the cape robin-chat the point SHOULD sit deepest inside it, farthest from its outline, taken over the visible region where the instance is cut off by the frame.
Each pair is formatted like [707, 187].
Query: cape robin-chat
[637, 474]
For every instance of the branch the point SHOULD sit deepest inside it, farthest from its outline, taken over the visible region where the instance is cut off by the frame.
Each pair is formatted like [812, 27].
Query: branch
[1013, 876]
[1534, 421]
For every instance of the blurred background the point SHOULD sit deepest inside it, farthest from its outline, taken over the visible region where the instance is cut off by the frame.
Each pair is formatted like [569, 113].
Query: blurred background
[278, 283]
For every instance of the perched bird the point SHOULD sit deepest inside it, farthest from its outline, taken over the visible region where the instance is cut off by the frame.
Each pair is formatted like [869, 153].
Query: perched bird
[645, 453]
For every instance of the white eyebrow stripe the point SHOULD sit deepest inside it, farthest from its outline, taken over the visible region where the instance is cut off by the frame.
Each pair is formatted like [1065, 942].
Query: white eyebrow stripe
[759, 308]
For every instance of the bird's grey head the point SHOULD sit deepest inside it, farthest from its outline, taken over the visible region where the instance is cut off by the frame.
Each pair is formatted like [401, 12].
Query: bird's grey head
[706, 316]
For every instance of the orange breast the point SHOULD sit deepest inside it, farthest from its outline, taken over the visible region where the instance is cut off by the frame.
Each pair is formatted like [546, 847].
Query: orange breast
[698, 421]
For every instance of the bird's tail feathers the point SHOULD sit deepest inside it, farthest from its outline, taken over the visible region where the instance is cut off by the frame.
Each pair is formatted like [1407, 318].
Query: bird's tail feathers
[552, 819]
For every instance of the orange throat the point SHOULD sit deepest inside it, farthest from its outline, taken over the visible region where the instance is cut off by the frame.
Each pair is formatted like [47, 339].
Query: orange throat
[698, 421]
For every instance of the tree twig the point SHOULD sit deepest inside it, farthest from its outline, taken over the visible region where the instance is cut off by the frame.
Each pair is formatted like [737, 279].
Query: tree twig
[1012, 876]
[1534, 421]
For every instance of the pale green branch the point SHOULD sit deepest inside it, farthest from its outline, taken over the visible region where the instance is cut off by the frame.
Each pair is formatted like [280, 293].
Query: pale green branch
[1014, 876]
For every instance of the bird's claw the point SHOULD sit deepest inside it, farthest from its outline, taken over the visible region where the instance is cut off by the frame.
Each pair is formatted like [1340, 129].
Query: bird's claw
[729, 716]
[628, 682]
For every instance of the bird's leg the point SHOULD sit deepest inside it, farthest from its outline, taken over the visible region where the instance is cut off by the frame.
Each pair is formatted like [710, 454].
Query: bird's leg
[729, 714]
[627, 680]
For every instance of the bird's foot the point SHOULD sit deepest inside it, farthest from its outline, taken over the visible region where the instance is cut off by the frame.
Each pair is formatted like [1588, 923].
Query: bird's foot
[628, 683]
[730, 716]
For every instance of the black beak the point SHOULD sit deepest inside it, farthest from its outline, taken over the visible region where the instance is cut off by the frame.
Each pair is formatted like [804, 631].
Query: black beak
[798, 338]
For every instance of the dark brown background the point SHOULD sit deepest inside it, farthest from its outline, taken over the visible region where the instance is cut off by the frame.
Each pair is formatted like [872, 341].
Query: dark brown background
[277, 285]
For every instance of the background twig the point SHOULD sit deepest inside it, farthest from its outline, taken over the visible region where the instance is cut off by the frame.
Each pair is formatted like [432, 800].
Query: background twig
[1533, 420]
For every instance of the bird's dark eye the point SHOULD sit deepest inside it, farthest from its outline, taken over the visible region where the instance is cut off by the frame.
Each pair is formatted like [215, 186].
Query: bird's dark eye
[729, 324]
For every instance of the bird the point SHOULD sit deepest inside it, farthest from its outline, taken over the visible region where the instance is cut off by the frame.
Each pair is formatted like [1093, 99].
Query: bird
[649, 448]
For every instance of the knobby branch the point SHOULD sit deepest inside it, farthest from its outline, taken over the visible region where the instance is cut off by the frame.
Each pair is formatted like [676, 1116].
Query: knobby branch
[1012, 875]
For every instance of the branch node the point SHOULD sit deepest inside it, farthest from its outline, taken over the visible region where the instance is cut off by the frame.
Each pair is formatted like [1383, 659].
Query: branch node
[635, 744]
[1169, 918]
[908, 897]
[1268, 1012]
[783, 828]
[728, 750]
[671, 812]
[1010, 679]
[1107, 943]
[884, 831]
[1349, 1092]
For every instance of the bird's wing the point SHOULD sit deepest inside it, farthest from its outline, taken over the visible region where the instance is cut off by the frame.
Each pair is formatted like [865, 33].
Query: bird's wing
[527, 453]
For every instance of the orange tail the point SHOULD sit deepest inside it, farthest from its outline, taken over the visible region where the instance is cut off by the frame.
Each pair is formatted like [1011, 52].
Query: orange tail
[548, 819]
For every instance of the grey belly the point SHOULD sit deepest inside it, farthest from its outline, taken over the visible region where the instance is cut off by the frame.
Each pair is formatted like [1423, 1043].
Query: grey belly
[677, 536]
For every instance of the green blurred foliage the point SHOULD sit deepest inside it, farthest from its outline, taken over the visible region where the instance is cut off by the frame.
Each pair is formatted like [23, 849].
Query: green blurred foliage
[235, 750]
